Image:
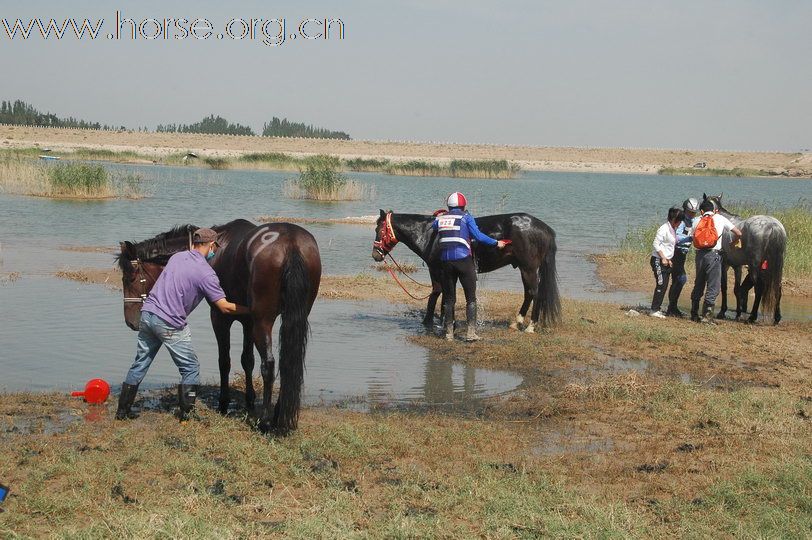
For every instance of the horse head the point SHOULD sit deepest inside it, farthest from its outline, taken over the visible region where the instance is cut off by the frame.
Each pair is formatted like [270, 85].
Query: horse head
[385, 238]
[137, 279]
[716, 200]
[141, 263]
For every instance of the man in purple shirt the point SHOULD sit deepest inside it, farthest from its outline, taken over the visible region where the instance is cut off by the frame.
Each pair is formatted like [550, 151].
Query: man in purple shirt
[184, 282]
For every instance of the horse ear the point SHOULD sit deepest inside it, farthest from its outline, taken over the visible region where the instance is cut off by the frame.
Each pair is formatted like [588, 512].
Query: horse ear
[127, 249]
[383, 214]
[720, 198]
[704, 197]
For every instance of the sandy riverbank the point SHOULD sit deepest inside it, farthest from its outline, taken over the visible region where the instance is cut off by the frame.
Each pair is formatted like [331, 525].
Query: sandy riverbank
[606, 160]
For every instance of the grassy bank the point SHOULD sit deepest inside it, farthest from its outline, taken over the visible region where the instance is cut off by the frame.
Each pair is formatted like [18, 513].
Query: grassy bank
[625, 427]
[628, 267]
[70, 180]
[277, 161]
[736, 171]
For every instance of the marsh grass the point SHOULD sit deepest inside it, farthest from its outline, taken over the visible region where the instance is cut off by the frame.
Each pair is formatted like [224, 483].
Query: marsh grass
[494, 168]
[217, 163]
[367, 164]
[736, 171]
[320, 180]
[71, 180]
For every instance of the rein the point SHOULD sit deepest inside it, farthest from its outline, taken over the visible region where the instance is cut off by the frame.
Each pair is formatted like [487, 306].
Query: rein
[395, 277]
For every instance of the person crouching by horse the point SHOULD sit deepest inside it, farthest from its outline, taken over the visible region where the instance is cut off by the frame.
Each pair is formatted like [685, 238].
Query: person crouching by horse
[664, 244]
[185, 281]
[709, 232]
[456, 228]
[684, 239]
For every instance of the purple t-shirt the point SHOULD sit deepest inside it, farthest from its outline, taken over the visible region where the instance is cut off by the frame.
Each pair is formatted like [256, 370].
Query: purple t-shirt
[184, 282]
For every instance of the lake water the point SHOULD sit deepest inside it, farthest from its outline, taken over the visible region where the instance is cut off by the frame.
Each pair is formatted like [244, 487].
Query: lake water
[55, 334]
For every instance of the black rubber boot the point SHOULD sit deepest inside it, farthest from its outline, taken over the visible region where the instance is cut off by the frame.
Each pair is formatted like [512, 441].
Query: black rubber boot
[448, 320]
[125, 402]
[470, 314]
[187, 394]
[695, 311]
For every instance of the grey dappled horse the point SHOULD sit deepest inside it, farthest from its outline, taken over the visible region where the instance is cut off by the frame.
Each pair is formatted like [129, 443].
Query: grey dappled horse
[763, 246]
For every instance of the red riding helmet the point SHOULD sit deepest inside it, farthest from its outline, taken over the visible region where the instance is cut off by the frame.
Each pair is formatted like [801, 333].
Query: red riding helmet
[457, 200]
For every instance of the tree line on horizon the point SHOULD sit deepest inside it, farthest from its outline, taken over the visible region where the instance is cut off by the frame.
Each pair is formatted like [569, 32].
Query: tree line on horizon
[21, 113]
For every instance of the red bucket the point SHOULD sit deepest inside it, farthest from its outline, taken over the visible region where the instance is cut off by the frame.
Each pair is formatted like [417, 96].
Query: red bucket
[96, 391]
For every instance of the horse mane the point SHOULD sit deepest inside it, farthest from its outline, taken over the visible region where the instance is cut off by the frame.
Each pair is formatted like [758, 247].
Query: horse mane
[159, 248]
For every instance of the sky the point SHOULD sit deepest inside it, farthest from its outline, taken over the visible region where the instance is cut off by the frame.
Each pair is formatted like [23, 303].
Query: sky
[724, 75]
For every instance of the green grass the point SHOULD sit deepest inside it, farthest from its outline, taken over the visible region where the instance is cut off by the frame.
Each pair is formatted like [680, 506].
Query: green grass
[75, 178]
[494, 168]
[367, 165]
[320, 179]
[736, 171]
[217, 163]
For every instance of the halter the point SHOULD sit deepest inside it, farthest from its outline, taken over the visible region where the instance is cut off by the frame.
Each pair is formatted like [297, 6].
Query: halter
[141, 272]
[388, 240]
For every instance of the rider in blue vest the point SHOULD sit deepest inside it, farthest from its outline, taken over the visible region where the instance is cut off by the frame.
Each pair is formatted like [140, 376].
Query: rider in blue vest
[455, 229]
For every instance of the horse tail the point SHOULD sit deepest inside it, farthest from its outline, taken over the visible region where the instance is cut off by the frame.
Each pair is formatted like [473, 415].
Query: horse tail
[293, 334]
[771, 275]
[547, 297]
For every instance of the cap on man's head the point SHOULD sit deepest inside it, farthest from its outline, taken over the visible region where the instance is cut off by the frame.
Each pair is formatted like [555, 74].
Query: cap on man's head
[204, 236]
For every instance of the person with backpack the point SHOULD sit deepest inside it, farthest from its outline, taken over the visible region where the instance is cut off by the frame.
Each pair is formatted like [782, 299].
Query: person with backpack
[685, 239]
[708, 235]
[662, 255]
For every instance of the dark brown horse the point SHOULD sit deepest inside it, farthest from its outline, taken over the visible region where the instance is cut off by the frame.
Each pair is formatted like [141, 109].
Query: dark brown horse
[532, 250]
[274, 269]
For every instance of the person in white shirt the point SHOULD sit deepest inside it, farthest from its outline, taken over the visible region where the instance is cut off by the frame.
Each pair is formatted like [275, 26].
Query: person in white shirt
[665, 242]
[709, 264]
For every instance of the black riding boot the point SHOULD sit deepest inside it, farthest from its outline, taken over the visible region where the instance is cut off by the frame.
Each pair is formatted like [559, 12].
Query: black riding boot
[470, 314]
[187, 393]
[448, 320]
[125, 402]
[695, 310]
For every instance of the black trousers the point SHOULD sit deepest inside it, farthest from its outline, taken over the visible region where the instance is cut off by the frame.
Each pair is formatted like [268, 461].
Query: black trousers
[464, 271]
[678, 278]
[661, 275]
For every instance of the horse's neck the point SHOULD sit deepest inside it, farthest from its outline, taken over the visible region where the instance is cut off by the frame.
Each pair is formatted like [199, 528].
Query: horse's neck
[735, 219]
[414, 232]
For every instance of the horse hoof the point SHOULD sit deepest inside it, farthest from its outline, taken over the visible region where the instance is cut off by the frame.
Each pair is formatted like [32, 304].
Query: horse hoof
[530, 329]
[750, 320]
[721, 316]
[265, 426]
[514, 326]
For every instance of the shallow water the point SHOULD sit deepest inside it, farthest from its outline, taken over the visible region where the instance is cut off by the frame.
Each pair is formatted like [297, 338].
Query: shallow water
[57, 334]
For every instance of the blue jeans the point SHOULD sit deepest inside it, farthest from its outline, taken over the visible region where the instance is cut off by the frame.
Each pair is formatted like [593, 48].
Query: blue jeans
[154, 332]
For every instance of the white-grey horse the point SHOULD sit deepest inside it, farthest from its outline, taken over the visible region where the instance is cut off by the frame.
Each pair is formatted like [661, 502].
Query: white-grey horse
[763, 246]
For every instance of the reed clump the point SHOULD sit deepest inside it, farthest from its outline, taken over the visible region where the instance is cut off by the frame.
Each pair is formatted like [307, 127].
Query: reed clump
[66, 180]
[321, 180]
[216, 163]
[739, 172]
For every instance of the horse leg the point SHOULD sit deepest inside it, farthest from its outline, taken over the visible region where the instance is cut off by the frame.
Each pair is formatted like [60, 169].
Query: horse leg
[723, 292]
[222, 331]
[777, 312]
[744, 291]
[428, 320]
[247, 361]
[757, 300]
[530, 281]
[737, 288]
[263, 335]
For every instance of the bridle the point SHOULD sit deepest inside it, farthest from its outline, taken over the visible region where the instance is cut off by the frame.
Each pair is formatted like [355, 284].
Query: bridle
[141, 272]
[388, 239]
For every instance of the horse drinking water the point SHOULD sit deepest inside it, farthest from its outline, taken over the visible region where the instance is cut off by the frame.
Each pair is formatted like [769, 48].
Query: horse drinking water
[274, 269]
[763, 247]
[532, 250]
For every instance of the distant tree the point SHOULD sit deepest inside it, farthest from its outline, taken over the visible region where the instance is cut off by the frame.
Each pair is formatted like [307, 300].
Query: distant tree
[286, 128]
[210, 124]
[20, 112]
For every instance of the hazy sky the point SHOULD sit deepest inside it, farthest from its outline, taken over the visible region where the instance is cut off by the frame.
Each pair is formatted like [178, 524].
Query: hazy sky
[648, 73]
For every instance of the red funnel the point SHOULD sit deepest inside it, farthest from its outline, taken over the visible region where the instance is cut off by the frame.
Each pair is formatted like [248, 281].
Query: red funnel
[96, 391]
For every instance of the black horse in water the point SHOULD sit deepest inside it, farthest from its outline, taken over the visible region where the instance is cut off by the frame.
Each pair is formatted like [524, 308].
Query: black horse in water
[532, 250]
[274, 269]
